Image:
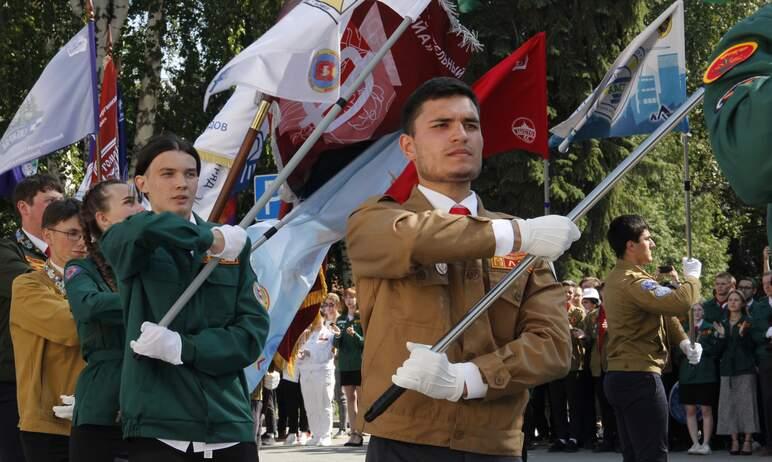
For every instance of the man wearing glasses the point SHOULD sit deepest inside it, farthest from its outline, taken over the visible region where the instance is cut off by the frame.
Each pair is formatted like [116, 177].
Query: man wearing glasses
[19, 254]
[45, 339]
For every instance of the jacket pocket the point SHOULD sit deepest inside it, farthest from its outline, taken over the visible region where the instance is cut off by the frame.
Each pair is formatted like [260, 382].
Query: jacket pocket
[221, 295]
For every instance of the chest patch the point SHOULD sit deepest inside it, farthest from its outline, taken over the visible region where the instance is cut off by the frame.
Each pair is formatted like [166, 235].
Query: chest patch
[262, 295]
[222, 261]
[747, 82]
[727, 60]
[507, 262]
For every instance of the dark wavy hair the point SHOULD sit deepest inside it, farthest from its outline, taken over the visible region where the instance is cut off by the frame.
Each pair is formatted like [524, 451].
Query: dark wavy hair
[160, 144]
[95, 201]
[58, 211]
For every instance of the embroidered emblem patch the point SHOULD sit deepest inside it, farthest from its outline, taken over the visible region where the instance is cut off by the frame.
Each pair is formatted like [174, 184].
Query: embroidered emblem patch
[71, 272]
[262, 295]
[747, 82]
[661, 291]
[649, 284]
[727, 60]
[222, 261]
[507, 262]
[441, 268]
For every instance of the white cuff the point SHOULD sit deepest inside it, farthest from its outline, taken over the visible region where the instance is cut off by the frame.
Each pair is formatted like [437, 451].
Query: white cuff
[475, 387]
[505, 236]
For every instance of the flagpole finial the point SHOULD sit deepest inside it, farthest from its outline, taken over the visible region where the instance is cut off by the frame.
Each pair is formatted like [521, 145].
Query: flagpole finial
[108, 41]
[89, 10]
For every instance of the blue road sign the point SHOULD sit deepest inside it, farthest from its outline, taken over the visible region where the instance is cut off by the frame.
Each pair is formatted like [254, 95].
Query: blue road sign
[271, 209]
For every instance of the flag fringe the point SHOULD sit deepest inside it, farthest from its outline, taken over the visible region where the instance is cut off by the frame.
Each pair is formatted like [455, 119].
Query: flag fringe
[469, 40]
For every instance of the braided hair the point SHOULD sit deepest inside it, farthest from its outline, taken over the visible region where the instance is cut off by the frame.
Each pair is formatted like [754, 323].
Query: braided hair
[95, 201]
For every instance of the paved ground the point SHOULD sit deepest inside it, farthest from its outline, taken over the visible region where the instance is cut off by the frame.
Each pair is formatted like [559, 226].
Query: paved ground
[340, 453]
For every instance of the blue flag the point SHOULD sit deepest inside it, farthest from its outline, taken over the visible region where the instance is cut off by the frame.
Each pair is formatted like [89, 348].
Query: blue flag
[58, 111]
[644, 86]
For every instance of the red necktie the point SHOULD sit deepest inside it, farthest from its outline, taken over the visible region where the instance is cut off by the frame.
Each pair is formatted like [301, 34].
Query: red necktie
[459, 210]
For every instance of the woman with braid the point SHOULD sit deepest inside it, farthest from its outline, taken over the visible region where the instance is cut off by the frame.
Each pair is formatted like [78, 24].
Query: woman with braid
[92, 292]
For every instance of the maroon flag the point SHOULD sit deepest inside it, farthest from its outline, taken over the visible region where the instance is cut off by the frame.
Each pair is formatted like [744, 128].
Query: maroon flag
[108, 123]
[513, 108]
[434, 45]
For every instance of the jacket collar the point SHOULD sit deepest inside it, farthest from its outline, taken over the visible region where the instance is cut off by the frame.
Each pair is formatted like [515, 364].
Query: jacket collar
[417, 202]
[627, 266]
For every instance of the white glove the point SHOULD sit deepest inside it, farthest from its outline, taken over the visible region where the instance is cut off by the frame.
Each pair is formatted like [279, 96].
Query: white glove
[271, 380]
[235, 237]
[692, 267]
[693, 353]
[430, 373]
[547, 236]
[769, 332]
[65, 411]
[159, 343]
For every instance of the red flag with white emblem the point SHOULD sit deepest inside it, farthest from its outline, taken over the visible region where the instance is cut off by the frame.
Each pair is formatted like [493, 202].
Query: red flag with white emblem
[513, 101]
[513, 109]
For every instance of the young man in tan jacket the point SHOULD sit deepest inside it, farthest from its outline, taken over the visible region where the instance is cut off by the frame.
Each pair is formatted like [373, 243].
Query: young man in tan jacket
[642, 328]
[419, 266]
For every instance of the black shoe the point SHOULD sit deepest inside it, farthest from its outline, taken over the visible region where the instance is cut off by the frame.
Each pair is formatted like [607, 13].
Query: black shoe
[557, 446]
[571, 446]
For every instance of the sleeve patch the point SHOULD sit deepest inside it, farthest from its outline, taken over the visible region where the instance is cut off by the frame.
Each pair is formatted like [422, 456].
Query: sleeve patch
[747, 82]
[71, 272]
[662, 291]
[649, 284]
[728, 59]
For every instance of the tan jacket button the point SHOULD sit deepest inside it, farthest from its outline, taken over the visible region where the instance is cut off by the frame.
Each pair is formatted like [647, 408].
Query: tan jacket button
[500, 380]
[473, 275]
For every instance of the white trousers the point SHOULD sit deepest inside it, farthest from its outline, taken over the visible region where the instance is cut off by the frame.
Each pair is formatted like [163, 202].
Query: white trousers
[317, 386]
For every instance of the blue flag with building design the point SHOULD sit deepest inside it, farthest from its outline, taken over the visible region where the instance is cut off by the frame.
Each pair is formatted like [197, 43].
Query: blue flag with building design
[644, 86]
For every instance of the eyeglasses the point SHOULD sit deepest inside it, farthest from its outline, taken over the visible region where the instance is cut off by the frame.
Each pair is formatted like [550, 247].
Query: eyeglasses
[72, 235]
[327, 304]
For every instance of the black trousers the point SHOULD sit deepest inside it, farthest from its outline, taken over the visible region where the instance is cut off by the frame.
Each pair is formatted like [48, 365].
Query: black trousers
[292, 411]
[640, 405]
[10, 444]
[152, 450]
[585, 407]
[97, 443]
[45, 447]
[566, 423]
[765, 379]
[539, 405]
[607, 417]
[386, 450]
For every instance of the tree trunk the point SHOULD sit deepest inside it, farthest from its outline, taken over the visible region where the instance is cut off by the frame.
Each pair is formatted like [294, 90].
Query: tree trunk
[151, 81]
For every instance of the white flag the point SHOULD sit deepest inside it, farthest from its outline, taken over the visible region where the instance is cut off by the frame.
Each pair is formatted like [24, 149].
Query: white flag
[58, 111]
[299, 57]
[221, 141]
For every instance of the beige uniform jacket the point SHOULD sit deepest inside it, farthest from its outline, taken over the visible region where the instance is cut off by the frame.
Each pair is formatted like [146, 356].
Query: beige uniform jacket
[642, 318]
[46, 350]
[417, 272]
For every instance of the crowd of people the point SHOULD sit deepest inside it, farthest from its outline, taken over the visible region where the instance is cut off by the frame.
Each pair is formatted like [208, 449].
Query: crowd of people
[726, 394]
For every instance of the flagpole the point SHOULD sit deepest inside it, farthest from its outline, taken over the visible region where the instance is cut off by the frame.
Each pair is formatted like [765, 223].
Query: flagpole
[95, 86]
[394, 392]
[546, 186]
[688, 210]
[289, 168]
[241, 158]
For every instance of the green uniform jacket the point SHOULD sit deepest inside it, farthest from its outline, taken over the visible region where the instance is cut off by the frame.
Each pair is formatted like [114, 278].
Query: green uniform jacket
[349, 346]
[641, 315]
[760, 315]
[15, 259]
[713, 311]
[738, 106]
[737, 355]
[706, 371]
[99, 319]
[223, 329]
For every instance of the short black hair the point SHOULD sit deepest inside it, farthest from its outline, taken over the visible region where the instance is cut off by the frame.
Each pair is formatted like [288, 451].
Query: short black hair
[160, 144]
[625, 228]
[29, 187]
[432, 89]
[61, 210]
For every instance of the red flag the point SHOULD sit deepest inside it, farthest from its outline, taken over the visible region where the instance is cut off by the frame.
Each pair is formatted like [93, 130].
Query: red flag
[108, 122]
[434, 45]
[513, 108]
